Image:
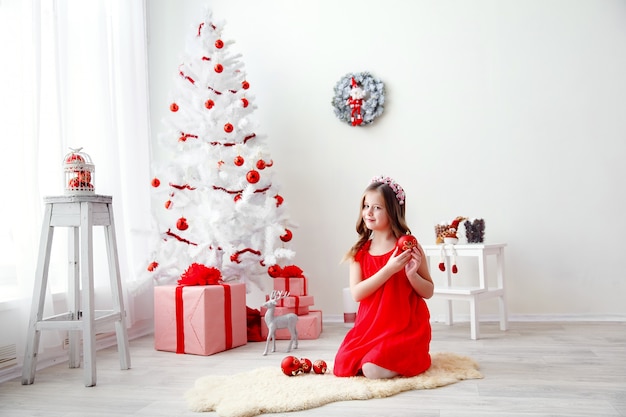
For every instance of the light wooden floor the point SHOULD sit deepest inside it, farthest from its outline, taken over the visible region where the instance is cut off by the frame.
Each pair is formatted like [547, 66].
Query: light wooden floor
[533, 369]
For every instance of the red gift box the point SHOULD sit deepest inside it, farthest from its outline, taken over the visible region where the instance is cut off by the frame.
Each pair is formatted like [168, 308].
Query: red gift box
[309, 327]
[293, 285]
[210, 318]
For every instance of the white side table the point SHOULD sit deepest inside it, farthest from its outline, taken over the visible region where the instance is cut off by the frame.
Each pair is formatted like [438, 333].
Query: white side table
[472, 294]
[80, 214]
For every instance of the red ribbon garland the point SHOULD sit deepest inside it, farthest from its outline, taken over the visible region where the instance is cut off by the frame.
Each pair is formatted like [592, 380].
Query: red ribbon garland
[180, 318]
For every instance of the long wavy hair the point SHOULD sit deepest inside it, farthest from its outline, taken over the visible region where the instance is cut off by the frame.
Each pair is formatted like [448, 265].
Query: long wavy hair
[395, 211]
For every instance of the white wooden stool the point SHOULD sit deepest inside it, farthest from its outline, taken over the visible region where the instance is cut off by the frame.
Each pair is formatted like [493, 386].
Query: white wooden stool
[80, 213]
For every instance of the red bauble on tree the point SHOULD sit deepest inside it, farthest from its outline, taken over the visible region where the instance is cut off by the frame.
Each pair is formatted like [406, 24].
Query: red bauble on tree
[174, 107]
[219, 68]
[239, 160]
[260, 164]
[287, 236]
[253, 176]
[279, 199]
[228, 128]
[155, 182]
[219, 44]
[244, 102]
[274, 271]
[245, 85]
[168, 204]
[209, 104]
[153, 266]
[181, 224]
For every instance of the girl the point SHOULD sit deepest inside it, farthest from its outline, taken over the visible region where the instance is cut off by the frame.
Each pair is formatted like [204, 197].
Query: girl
[391, 335]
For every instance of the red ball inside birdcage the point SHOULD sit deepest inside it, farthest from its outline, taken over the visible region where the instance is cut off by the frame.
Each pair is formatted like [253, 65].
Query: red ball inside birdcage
[79, 173]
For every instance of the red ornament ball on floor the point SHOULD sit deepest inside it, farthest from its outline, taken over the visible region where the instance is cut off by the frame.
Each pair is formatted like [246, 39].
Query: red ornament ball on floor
[306, 365]
[290, 366]
[320, 367]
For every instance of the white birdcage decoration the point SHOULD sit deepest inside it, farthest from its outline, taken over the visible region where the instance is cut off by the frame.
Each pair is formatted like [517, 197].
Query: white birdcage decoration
[79, 173]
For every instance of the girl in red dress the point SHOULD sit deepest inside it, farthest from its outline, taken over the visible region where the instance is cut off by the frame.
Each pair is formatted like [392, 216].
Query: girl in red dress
[391, 334]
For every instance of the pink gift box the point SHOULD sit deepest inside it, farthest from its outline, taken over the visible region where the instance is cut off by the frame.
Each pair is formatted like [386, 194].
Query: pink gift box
[205, 328]
[279, 311]
[295, 301]
[309, 327]
[294, 285]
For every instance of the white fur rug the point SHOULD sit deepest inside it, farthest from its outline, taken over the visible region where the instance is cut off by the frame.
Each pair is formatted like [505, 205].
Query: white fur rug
[267, 390]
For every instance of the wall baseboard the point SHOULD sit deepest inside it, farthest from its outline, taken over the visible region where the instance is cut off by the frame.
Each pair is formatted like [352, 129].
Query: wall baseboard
[465, 318]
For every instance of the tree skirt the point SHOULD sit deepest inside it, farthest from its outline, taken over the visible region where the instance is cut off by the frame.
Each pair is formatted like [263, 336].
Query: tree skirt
[268, 390]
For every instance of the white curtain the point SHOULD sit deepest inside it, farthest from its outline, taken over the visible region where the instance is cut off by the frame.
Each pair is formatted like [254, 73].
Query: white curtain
[74, 74]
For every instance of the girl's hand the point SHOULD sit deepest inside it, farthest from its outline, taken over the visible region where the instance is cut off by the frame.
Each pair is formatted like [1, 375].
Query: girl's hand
[398, 261]
[414, 262]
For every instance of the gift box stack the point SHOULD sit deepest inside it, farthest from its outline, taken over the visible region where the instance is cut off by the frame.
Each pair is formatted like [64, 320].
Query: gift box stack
[201, 315]
[291, 279]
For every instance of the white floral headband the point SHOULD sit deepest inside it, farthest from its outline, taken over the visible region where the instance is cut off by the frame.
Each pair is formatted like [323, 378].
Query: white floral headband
[397, 189]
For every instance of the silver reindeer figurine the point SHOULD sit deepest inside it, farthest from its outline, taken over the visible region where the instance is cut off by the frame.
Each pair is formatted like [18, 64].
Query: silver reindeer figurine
[279, 322]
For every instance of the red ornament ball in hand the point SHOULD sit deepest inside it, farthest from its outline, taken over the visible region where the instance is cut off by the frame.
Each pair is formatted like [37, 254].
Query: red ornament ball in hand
[209, 104]
[245, 85]
[219, 44]
[320, 367]
[182, 224]
[290, 366]
[155, 182]
[253, 176]
[239, 160]
[287, 236]
[228, 128]
[244, 102]
[219, 68]
[406, 242]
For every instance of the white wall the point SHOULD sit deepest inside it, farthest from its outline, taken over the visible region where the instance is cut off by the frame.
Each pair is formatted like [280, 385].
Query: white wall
[513, 111]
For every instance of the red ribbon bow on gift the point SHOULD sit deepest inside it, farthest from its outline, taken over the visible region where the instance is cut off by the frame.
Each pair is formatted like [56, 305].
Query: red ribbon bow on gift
[198, 274]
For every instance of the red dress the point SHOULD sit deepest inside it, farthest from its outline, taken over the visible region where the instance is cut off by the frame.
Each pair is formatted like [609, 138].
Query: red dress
[392, 327]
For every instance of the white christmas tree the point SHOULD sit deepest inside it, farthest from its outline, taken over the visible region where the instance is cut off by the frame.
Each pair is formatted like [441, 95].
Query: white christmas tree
[216, 202]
